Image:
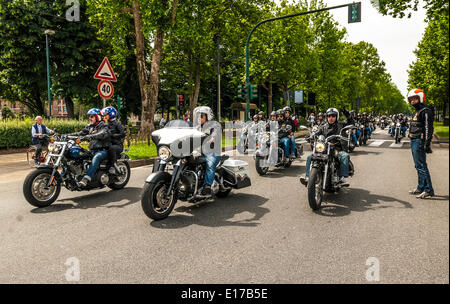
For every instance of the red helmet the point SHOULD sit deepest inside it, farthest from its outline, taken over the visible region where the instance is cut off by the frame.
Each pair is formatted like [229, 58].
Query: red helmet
[416, 93]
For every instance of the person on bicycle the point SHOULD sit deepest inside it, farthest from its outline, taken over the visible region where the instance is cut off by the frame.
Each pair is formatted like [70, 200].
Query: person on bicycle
[38, 138]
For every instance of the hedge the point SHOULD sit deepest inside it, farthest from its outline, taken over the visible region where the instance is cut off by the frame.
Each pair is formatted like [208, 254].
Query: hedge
[16, 133]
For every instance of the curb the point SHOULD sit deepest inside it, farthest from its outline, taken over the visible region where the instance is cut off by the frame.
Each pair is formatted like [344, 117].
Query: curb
[440, 139]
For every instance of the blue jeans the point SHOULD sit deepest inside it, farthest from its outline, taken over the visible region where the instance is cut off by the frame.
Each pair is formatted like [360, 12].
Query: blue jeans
[292, 144]
[355, 136]
[369, 131]
[212, 160]
[344, 160]
[96, 160]
[402, 129]
[420, 162]
[286, 143]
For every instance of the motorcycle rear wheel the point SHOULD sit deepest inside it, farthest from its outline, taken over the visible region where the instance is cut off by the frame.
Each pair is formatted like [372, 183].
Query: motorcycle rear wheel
[261, 170]
[315, 191]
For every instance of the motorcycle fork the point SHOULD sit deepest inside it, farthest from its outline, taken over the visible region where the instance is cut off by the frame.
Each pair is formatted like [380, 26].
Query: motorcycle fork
[177, 170]
[52, 178]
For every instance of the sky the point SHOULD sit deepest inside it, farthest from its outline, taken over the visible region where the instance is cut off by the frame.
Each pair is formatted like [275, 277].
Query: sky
[395, 38]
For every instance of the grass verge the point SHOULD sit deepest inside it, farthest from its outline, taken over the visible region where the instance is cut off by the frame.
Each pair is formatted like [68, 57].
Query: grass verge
[440, 129]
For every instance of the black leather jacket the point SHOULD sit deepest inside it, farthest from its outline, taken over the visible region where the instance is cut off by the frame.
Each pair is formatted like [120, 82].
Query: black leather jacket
[117, 132]
[328, 130]
[421, 125]
[98, 135]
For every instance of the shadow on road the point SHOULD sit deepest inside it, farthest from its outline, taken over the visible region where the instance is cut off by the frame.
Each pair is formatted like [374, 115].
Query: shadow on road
[247, 208]
[360, 152]
[440, 198]
[358, 200]
[94, 200]
[293, 170]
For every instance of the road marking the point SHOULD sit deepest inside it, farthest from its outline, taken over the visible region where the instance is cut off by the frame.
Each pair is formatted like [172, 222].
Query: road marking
[394, 145]
[377, 143]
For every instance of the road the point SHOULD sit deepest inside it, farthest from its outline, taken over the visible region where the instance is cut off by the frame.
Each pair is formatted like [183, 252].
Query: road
[263, 234]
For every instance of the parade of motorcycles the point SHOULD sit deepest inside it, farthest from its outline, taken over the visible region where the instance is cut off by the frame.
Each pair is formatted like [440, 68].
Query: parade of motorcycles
[137, 160]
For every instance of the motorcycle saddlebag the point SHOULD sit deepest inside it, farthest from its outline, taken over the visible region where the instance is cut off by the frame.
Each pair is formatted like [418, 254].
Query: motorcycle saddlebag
[239, 171]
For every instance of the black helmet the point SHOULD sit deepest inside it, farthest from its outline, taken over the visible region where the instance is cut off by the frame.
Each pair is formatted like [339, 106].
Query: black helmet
[333, 111]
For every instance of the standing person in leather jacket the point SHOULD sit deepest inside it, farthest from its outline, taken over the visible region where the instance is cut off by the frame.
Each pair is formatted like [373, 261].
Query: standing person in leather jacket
[420, 134]
[117, 132]
[97, 133]
[331, 128]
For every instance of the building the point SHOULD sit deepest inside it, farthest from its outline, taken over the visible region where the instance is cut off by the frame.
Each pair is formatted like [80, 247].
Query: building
[59, 108]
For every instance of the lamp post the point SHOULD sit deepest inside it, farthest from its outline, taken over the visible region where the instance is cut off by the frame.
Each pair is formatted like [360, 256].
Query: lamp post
[47, 33]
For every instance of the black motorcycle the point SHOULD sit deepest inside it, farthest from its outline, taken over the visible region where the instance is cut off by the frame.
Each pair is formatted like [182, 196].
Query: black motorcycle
[163, 188]
[324, 173]
[397, 132]
[270, 152]
[67, 162]
[364, 134]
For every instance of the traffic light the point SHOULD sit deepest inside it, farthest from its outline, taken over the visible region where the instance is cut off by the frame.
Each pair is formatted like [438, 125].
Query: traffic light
[241, 92]
[181, 101]
[311, 98]
[253, 89]
[354, 12]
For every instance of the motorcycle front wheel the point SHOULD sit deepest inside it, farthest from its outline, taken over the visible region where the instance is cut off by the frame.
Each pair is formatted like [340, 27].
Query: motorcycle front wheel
[153, 202]
[259, 168]
[315, 191]
[34, 188]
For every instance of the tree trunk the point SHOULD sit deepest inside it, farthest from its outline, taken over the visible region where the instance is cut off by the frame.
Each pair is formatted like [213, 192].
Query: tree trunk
[269, 89]
[69, 106]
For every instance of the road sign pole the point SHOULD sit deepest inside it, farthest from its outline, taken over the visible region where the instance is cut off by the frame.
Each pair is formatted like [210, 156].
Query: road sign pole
[48, 78]
[104, 103]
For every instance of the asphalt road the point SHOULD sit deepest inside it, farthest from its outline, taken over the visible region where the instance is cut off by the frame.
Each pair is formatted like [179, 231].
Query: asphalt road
[263, 234]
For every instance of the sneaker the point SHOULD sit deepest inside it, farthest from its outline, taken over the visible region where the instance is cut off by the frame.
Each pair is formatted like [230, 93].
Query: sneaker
[425, 195]
[343, 182]
[304, 180]
[415, 191]
[86, 179]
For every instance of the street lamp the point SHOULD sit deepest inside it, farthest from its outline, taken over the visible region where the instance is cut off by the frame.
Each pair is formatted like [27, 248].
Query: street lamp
[47, 33]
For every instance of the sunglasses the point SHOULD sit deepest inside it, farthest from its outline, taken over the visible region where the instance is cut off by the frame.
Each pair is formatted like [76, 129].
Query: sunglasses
[332, 115]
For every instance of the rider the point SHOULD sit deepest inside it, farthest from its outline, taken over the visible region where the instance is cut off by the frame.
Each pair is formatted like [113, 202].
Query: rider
[261, 116]
[283, 134]
[400, 119]
[97, 132]
[203, 119]
[351, 120]
[117, 132]
[365, 122]
[37, 137]
[331, 128]
[320, 119]
[288, 119]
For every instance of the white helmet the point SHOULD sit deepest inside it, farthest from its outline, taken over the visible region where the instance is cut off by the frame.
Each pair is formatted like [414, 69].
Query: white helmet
[202, 110]
[333, 111]
[416, 93]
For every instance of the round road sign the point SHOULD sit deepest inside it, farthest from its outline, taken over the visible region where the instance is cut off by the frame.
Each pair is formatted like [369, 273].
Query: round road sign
[105, 89]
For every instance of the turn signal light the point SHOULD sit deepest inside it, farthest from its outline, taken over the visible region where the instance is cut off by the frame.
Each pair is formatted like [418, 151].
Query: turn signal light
[52, 140]
[77, 141]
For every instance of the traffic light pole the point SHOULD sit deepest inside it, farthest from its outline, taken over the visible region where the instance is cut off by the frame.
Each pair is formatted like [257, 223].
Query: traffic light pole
[247, 53]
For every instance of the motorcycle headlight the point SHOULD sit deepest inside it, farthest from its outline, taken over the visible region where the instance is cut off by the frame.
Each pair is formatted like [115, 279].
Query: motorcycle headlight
[320, 147]
[53, 148]
[164, 153]
[315, 128]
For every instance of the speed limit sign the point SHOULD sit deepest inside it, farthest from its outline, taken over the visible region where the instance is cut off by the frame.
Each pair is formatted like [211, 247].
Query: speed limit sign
[105, 89]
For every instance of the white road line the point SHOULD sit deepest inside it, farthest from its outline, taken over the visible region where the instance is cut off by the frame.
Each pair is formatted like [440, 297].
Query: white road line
[377, 143]
[394, 145]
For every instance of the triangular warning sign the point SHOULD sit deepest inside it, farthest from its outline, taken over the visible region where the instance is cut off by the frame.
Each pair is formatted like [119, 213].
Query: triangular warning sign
[105, 71]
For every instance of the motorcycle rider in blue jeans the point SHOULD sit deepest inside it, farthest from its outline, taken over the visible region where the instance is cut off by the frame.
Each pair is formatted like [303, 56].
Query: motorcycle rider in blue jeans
[211, 147]
[331, 128]
[420, 134]
[97, 133]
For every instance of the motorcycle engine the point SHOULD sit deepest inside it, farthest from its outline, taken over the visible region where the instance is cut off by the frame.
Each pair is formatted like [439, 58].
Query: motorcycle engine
[104, 179]
[187, 186]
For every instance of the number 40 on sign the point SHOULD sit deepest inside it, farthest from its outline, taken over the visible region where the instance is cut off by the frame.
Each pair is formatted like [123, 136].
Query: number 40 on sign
[105, 89]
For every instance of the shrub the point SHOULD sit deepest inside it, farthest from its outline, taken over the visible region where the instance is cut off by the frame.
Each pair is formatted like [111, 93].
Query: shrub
[7, 112]
[16, 133]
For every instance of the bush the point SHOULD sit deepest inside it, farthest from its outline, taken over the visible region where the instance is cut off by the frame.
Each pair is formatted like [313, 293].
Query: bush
[7, 112]
[16, 133]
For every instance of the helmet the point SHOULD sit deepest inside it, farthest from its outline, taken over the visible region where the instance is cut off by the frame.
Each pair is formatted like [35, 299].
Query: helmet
[320, 114]
[261, 113]
[255, 116]
[287, 109]
[97, 112]
[198, 111]
[416, 93]
[334, 111]
[273, 113]
[280, 112]
[111, 111]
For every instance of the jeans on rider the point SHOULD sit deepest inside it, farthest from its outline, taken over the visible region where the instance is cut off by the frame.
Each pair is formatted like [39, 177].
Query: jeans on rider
[344, 160]
[212, 160]
[403, 128]
[96, 160]
[286, 144]
[355, 136]
[292, 144]
[369, 131]
[420, 162]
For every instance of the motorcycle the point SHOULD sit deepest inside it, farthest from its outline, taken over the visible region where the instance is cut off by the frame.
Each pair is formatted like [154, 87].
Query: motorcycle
[249, 133]
[363, 134]
[349, 145]
[382, 124]
[270, 152]
[398, 132]
[163, 189]
[311, 137]
[66, 164]
[324, 173]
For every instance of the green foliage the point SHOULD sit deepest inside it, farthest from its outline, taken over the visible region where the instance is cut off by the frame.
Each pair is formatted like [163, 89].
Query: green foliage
[7, 112]
[16, 133]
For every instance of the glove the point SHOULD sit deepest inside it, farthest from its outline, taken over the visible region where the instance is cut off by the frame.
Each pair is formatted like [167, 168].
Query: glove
[428, 149]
